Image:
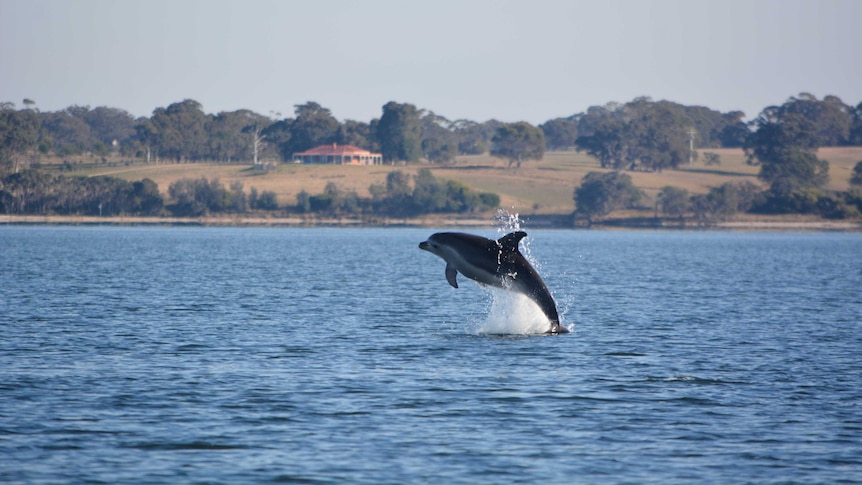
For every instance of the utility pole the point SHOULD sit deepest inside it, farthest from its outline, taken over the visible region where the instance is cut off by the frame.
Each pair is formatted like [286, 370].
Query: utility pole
[691, 133]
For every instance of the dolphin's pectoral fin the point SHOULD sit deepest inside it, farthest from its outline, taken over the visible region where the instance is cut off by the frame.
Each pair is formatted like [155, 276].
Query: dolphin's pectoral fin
[451, 273]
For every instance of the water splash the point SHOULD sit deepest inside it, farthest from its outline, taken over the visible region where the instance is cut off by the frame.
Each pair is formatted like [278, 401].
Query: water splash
[511, 222]
[512, 313]
[508, 221]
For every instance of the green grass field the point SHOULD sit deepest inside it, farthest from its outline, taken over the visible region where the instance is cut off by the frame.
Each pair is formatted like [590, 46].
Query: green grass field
[539, 187]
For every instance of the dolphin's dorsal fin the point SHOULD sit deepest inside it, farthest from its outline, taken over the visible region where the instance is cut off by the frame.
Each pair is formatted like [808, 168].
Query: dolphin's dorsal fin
[509, 242]
[451, 273]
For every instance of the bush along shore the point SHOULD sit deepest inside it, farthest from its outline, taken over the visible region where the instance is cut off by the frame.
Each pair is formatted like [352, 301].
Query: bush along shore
[534, 221]
[630, 164]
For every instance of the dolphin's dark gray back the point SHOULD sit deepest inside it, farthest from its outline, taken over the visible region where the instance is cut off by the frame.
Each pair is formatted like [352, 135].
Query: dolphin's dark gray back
[521, 275]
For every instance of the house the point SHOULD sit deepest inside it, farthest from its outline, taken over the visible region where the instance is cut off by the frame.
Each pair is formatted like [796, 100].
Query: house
[338, 154]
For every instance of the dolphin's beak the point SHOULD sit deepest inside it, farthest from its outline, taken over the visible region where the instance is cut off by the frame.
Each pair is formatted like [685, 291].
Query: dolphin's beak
[424, 245]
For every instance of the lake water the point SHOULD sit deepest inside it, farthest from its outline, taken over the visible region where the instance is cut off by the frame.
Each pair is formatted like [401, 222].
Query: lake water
[255, 355]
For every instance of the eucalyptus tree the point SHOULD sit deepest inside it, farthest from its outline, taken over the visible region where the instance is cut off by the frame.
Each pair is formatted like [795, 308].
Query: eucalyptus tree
[560, 133]
[358, 133]
[236, 135]
[735, 130]
[109, 125]
[674, 201]
[314, 125]
[601, 193]
[830, 119]
[66, 133]
[226, 141]
[439, 141]
[603, 134]
[518, 142]
[278, 135]
[659, 134]
[474, 138]
[179, 131]
[19, 134]
[400, 133]
[784, 143]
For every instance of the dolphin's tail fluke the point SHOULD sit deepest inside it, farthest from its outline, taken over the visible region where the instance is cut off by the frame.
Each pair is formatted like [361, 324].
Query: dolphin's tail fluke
[557, 328]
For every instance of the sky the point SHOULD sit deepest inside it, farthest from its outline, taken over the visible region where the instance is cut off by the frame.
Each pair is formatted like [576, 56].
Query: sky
[529, 60]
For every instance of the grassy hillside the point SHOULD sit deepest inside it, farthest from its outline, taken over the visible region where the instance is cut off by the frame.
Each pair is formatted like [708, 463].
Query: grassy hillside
[544, 187]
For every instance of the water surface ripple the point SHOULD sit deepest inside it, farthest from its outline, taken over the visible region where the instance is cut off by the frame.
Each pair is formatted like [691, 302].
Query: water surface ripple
[237, 355]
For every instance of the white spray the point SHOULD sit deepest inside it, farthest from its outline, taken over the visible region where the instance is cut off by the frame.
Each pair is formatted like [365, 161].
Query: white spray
[511, 312]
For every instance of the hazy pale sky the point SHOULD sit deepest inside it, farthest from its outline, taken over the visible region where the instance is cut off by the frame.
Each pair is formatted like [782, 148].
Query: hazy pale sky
[530, 60]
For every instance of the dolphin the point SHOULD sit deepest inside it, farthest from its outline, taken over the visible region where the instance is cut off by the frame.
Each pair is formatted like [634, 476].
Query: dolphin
[494, 263]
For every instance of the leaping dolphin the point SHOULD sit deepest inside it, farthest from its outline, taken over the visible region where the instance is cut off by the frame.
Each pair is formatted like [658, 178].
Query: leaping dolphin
[494, 263]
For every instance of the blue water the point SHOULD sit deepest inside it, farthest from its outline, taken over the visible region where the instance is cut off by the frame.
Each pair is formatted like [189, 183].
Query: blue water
[238, 355]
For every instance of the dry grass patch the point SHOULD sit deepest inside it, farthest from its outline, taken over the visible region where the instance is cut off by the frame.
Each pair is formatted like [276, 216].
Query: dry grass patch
[545, 186]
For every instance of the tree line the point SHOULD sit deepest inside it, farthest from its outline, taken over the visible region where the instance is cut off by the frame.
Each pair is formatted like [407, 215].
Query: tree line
[34, 192]
[638, 135]
[604, 192]
[782, 140]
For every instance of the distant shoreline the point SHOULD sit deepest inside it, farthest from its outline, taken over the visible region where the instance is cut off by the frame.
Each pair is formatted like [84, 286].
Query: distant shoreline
[241, 221]
[536, 222]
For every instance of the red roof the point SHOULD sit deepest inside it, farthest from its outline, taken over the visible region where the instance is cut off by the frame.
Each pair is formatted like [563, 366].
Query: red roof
[335, 149]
